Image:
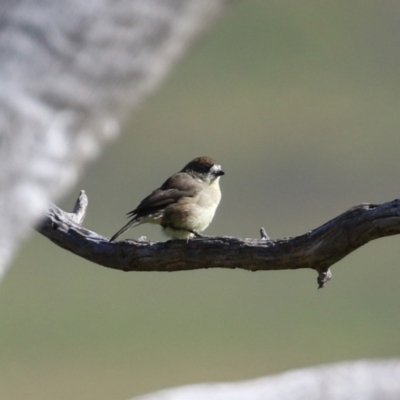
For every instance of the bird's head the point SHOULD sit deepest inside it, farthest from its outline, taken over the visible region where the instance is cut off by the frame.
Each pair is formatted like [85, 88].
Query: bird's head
[205, 169]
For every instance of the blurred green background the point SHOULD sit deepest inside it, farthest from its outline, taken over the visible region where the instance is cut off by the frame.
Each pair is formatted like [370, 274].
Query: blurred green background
[299, 101]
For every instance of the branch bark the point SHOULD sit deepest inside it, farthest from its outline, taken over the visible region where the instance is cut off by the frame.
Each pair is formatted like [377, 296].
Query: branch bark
[317, 249]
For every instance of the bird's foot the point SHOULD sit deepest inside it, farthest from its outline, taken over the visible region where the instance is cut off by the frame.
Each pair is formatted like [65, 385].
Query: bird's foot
[199, 235]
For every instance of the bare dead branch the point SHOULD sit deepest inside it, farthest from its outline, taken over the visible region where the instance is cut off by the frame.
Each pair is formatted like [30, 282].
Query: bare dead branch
[317, 249]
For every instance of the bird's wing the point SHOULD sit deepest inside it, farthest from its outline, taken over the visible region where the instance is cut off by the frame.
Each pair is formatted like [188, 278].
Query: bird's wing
[173, 189]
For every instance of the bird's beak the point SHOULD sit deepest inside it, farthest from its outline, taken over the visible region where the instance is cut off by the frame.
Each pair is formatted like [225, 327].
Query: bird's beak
[220, 173]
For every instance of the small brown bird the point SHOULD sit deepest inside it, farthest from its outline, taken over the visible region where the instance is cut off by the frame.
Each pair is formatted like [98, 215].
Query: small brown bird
[185, 204]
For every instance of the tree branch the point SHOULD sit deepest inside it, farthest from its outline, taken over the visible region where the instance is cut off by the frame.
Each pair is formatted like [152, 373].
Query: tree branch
[363, 379]
[317, 249]
[71, 73]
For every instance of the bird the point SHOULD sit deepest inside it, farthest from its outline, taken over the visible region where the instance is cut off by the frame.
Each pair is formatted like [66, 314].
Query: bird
[185, 204]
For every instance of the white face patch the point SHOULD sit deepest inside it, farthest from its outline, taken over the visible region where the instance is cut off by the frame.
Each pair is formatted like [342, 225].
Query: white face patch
[215, 168]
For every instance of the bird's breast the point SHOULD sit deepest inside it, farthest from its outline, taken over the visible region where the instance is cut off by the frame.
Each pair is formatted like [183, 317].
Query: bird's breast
[194, 213]
[206, 206]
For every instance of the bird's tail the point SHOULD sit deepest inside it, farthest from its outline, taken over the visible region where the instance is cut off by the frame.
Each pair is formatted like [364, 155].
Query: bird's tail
[131, 223]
